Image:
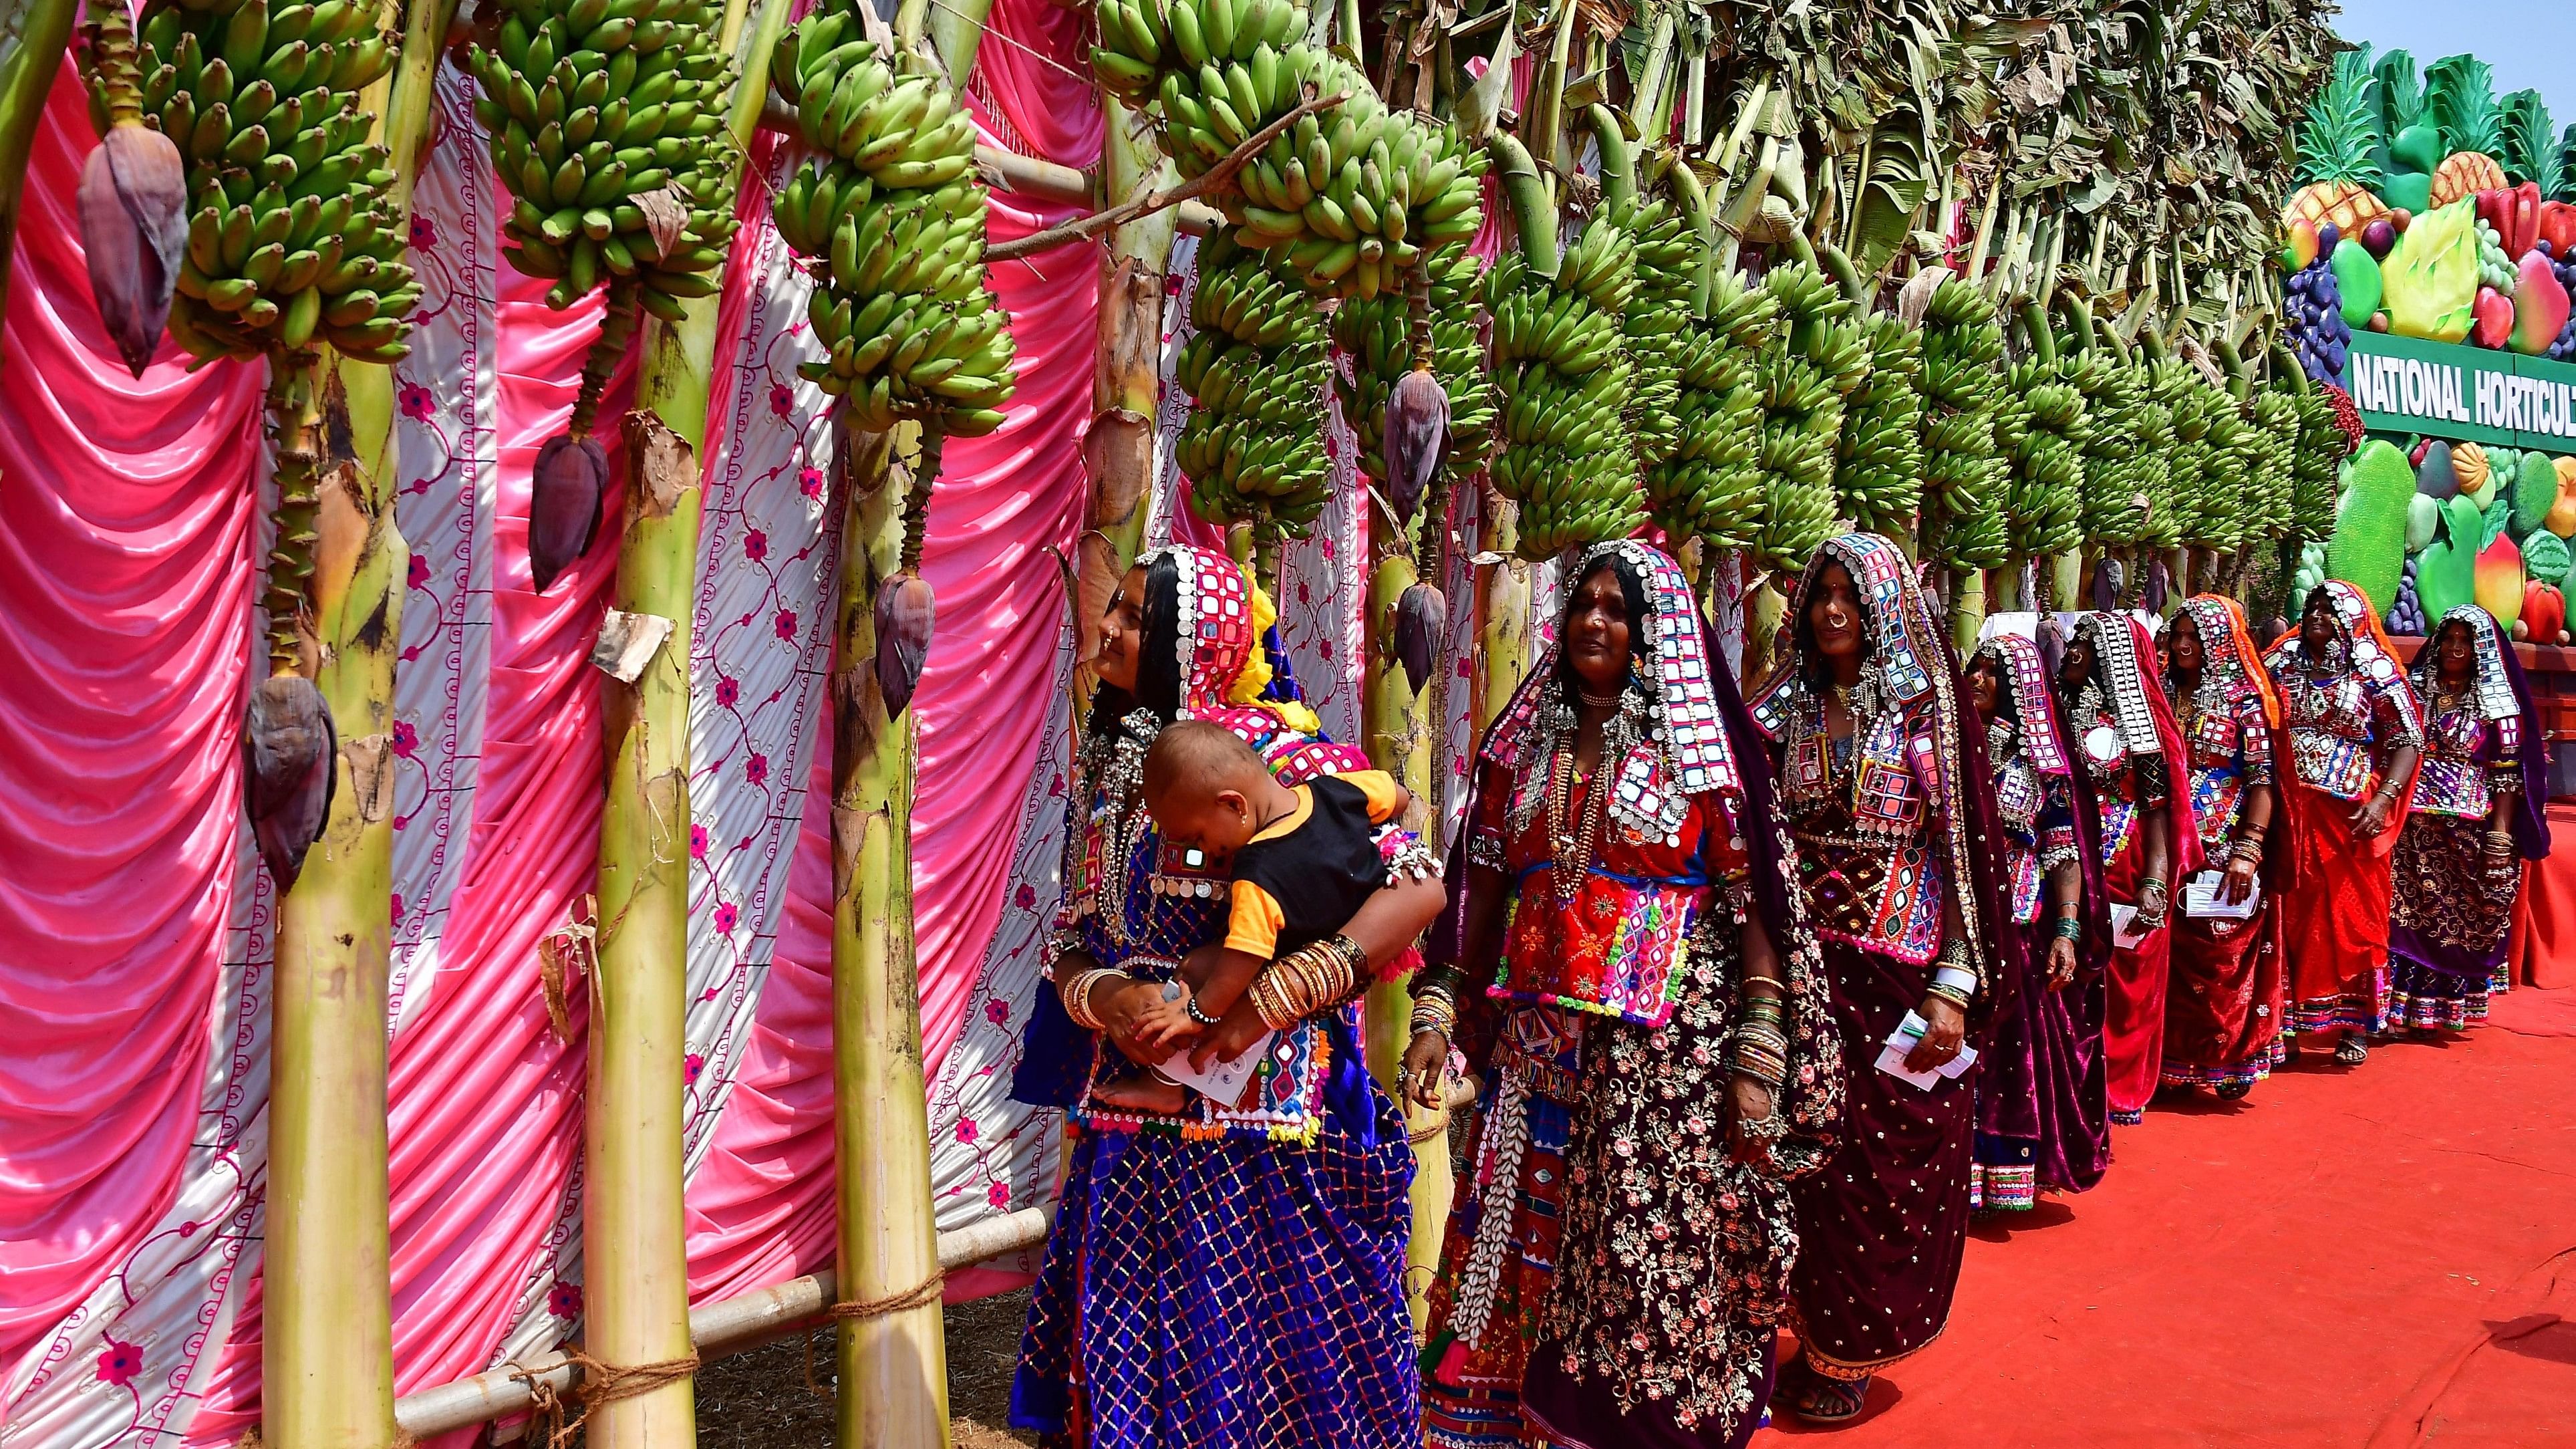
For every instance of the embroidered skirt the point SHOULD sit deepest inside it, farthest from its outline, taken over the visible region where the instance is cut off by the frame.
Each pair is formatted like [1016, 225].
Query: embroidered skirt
[2133, 990]
[2334, 927]
[1227, 1294]
[2451, 920]
[2042, 1112]
[2223, 1001]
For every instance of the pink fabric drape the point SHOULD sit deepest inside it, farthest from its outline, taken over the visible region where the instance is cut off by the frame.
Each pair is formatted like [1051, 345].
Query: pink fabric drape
[127, 518]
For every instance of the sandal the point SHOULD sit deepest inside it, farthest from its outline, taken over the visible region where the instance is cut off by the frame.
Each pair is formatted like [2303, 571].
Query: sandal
[1817, 1399]
[2353, 1052]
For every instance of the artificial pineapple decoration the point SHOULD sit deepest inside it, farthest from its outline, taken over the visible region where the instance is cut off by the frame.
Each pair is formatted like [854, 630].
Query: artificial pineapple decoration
[2460, 94]
[2412, 147]
[2339, 148]
[2530, 147]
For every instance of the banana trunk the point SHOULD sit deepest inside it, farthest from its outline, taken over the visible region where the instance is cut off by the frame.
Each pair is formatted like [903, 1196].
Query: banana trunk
[32, 36]
[1502, 614]
[637, 1306]
[890, 1351]
[1967, 609]
[1397, 735]
[327, 1342]
[1126, 381]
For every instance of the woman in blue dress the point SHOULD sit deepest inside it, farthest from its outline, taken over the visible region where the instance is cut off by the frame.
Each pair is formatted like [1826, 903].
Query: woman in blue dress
[1220, 1277]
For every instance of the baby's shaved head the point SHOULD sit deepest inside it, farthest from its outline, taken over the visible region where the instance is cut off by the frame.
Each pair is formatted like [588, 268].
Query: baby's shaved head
[1202, 758]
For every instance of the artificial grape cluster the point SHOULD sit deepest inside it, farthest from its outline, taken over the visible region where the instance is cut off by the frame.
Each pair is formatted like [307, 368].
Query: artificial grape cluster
[293, 238]
[891, 214]
[2406, 612]
[2563, 346]
[2312, 307]
[1710, 487]
[1253, 447]
[1562, 386]
[607, 125]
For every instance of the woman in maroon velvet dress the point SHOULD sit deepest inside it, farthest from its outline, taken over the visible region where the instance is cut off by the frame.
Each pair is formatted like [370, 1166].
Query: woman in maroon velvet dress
[2041, 1113]
[1898, 859]
[2124, 733]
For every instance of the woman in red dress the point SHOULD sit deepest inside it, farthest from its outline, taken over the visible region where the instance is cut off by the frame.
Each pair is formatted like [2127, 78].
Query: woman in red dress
[2353, 732]
[2223, 994]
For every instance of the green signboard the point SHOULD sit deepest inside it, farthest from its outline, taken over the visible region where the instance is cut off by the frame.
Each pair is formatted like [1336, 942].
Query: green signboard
[2450, 390]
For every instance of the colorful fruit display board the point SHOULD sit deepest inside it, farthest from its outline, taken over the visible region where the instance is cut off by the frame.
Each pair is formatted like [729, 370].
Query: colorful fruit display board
[2429, 258]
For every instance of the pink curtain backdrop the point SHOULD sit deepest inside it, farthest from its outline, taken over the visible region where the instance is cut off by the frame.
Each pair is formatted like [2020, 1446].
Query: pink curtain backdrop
[134, 937]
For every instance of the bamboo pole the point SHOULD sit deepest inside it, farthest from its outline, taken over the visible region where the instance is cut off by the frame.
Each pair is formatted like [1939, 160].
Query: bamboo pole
[33, 34]
[326, 1345]
[636, 1292]
[892, 1360]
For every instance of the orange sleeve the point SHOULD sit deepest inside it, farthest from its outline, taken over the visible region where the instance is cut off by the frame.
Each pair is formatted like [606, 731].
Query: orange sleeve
[1254, 926]
[1385, 797]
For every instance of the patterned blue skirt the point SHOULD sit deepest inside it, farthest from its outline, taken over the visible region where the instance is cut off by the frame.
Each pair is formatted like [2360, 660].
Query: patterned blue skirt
[1229, 1294]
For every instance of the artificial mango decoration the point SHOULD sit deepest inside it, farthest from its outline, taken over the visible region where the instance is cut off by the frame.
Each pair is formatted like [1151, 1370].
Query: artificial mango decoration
[2499, 585]
[2540, 305]
[2562, 514]
[2357, 283]
[2431, 278]
[2300, 245]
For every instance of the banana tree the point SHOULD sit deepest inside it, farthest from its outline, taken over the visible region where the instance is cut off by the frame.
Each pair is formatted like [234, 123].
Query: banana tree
[32, 36]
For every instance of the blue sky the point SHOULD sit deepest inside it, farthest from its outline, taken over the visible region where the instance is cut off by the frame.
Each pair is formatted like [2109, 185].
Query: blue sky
[2528, 43]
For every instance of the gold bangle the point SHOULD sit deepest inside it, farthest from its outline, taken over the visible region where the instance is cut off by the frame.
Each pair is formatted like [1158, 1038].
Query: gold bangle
[1077, 997]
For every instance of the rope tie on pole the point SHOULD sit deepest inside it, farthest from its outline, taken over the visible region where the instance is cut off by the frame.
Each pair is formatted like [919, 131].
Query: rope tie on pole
[925, 1293]
[560, 1414]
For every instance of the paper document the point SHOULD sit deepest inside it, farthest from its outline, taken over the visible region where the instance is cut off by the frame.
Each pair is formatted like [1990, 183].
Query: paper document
[1222, 1082]
[1900, 1044]
[2200, 899]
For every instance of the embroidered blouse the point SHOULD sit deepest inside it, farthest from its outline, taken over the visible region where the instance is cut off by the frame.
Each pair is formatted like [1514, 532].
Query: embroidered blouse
[2468, 759]
[2340, 728]
[1615, 946]
[2125, 785]
[2037, 813]
[1861, 811]
[2231, 752]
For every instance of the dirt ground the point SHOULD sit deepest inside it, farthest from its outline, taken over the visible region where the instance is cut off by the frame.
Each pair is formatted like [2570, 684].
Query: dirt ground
[765, 1400]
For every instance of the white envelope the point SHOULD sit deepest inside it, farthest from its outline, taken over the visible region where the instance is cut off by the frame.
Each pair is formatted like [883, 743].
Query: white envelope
[2200, 899]
[1900, 1043]
[1222, 1082]
[2124, 926]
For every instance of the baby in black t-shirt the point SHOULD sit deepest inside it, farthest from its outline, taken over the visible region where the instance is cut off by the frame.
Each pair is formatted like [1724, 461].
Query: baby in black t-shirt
[1304, 859]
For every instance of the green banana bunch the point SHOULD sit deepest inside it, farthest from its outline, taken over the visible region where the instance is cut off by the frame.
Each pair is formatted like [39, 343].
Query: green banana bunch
[2041, 430]
[1878, 464]
[1710, 488]
[293, 241]
[1816, 357]
[1353, 196]
[1655, 324]
[1253, 446]
[1142, 41]
[2114, 510]
[607, 123]
[1964, 475]
[2149, 434]
[890, 214]
[2267, 445]
[2206, 486]
[1566, 456]
[1376, 335]
[2320, 447]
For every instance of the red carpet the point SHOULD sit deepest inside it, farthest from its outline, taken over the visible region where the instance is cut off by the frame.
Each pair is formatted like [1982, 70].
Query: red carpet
[2380, 1257]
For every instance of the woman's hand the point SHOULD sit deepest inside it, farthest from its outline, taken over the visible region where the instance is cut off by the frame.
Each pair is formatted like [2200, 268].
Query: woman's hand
[2062, 963]
[1425, 1080]
[2372, 816]
[1944, 1026]
[1752, 1102]
[2239, 882]
[1122, 1007]
[1229, 1038]
[2155, 899]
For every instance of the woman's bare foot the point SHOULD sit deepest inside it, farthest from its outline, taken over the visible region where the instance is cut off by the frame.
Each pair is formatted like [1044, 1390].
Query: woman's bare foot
[1143, 1094]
